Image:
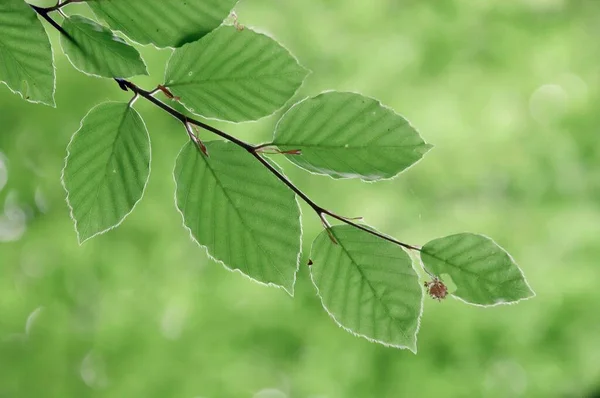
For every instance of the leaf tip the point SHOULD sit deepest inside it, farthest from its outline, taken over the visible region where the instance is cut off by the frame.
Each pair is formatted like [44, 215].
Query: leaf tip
[307, 72]
[51, 103]
[413, 348]
[528, 293]
[82, 238]
[289, 290]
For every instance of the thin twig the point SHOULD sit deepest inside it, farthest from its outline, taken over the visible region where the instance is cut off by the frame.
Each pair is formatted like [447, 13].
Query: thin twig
[60, 5]
[265, 145]
[372, 232]
[253, 150]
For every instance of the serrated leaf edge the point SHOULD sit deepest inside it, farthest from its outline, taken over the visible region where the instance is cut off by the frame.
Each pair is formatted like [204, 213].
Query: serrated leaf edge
[533, 293]
[62, 174]
[233, 270]
[430, 146]
[414, 348]
[260, 32]
[60, 41]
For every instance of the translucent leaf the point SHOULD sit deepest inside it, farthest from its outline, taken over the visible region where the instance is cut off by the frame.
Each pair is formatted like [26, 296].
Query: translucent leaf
[240, 212]
[107, 168]
[164, 23]
[234, 75]
[94, 49]
[26, 64]
[483, 272]
[368, 286]
[347, 135]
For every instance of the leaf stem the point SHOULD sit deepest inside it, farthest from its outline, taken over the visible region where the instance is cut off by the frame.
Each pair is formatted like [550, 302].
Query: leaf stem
[126, 85]
[60, 5]
[133, 100]
[265, 145]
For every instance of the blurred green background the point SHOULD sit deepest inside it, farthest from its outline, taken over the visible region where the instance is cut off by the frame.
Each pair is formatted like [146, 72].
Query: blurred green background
[509, 94]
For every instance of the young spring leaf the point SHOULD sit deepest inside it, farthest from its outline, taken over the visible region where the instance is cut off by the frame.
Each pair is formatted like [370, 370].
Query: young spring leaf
[107, 168]
[368, 286]
[240, 212]
[234, 75]
[164, 23]
[347, 135]
[96, 50]
[26, 64]
[483, 272]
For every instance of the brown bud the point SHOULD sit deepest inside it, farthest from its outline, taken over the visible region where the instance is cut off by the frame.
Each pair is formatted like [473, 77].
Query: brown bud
[436, 289]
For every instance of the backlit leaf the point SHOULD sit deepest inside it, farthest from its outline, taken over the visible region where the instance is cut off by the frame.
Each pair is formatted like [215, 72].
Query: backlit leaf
[483, 272]
[164, 23]
[368, 286]
[240, 212]
[347, 135]
[234, 75]
[26, 64]
[107, 168]
[96, 50]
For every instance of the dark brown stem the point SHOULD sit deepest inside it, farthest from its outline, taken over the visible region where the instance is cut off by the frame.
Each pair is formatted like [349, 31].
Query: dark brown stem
[43, 12]
[372, 232]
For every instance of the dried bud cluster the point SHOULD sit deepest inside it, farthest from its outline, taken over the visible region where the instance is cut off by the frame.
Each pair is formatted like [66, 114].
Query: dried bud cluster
[436, 289]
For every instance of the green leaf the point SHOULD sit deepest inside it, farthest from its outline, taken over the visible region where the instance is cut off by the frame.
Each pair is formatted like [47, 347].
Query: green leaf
[240, 212]
[26, 63]
[234, 75]
[368, 286]
[483, 272]
[94, 49]
[107, 168]
[347, 135]
[164, 23]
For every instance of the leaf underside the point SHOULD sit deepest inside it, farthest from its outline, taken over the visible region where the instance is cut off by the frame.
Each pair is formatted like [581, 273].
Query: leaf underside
[161, 22]
[347, 135]
[368, 285]
[94, 49]
[234, 75]
[240, 212]
[26, 63]
[107, 168]
[483, 272]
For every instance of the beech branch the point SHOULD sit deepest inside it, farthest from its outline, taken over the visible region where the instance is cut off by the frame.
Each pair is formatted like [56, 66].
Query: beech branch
[254, 150]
